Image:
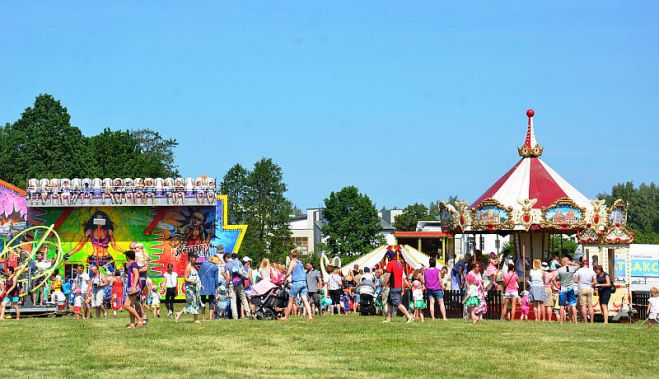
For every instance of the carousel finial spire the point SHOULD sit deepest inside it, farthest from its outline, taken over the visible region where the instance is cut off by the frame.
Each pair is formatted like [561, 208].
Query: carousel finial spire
[530, 147]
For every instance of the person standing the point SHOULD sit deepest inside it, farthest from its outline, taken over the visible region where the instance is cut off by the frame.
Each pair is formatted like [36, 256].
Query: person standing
[314, 284]
[567, 296]
[171, 289]
[432, 277]
[99, 282]
[252, 278]
[603, 287]
[334, 285]
[550, 290]
[538, 296]
[586, 278]
[117, 293]
[208, 276]
[394, 278]
[511, 294]
[10, 294]
[457, 273]
[82, 285]
[133, 291]
[298, 286]
[236, 273]
[193, 287]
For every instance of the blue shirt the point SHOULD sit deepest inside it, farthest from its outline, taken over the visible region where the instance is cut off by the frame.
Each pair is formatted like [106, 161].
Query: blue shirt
[208, 275]
[236, 279]
[299, 273]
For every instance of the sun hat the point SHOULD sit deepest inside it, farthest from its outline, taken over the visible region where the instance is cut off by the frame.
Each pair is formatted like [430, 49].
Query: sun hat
[545, 266]
[247, 259]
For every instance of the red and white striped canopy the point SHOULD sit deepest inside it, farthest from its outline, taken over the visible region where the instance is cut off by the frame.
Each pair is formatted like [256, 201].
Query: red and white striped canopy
[532, 178]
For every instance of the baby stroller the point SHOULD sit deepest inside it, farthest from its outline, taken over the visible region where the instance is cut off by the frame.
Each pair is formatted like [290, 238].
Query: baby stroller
[268, 300]
[367, 298]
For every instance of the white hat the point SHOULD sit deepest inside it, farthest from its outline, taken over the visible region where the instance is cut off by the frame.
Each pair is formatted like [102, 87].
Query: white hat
[247, 259]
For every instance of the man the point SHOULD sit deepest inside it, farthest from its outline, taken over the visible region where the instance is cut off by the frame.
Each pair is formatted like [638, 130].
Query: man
[249, 282]
[298, 286]
[394, 278]
[208, 276]
[99, 282]
[585, 278]
[171, 286]
[235, 276]
[458, 272]
[83, 283]
[567, 296]
[40, 266]
[314, 284]
[367, 291]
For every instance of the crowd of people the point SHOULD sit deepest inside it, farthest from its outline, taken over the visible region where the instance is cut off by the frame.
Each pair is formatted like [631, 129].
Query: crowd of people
[226, 286]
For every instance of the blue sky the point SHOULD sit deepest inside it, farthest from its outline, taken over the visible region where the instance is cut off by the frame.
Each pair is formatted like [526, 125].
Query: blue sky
[410, 103]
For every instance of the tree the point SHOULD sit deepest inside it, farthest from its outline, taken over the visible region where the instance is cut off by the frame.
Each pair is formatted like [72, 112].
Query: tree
[642, 208]
[116, 154]
[353, 224]
[157, 153]
[267, 212]
[412, 214]
[43, 143]
[234, 185]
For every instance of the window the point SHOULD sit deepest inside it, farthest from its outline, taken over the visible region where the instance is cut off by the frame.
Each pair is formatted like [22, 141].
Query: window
[301, 244]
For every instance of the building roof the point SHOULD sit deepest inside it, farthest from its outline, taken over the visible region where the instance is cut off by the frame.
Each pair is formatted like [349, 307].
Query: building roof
[532, 178]
[384, 225]
[421, 234]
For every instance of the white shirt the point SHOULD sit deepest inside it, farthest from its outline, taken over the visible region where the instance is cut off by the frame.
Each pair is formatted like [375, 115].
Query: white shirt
[83, 282]
[334, 282]
[586, 276]
[43, 265]
[654, 305]
[171, 280]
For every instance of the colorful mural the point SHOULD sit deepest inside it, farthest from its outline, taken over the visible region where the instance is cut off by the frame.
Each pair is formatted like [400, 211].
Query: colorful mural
[13, 216]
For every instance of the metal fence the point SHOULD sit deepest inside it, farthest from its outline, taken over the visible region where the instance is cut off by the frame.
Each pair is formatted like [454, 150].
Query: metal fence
[640, 303]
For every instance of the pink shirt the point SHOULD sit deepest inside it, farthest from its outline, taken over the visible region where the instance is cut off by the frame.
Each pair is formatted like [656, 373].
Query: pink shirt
[510, 280]
[548, 277]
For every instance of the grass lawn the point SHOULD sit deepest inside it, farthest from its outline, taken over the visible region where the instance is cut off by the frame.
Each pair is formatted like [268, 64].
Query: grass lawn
[335, 346]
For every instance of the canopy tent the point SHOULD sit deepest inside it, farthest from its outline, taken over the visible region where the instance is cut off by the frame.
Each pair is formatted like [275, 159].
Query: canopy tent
[414, 258]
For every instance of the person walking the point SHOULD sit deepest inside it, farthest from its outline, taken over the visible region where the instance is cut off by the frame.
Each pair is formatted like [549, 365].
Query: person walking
[82, 285]
[538, 296]
[603, 287]
[99, 282]
[314, 284]
[511, 294]
[171, 289]
[208, 276]
[298, 286]
[193, 287]
[133, 291]
[585, 278]
[394, 279]
[10, 294]
[432, 278]
[117, 293]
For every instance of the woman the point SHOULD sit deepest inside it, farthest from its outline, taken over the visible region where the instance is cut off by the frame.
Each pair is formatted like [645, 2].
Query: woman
[477, 277]
[10, 294]
[603, 286]
[102, 238]
[511, 294]
[335, 282]
[171, 287]
[432, 278]
[538, 296]
[265, 270]
[192, 291]
[132, 300]
[549, 290]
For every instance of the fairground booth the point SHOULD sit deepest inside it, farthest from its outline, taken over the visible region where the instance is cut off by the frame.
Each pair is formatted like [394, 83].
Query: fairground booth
[531, 202]
[97, 220]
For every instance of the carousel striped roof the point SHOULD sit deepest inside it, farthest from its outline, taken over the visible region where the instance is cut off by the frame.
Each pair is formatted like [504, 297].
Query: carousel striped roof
[532, 178]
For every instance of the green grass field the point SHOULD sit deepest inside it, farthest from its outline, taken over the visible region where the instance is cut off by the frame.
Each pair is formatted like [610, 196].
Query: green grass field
[335, 346]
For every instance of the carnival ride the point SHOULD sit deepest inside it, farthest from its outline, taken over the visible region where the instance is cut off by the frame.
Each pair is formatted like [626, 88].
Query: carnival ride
[531, 202]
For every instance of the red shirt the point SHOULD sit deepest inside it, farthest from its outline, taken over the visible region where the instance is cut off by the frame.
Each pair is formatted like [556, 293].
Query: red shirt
[395, 269]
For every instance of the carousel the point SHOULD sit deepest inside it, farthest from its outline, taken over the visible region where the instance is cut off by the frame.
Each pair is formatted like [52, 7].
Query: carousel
[531, 202]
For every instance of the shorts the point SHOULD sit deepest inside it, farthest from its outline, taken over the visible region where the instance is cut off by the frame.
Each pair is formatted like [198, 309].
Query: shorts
[551, 297]
[335, 295]
[300, 288]
[586, 296]
[435, 294]
[76, 309]
[97, 298]
[210, 300]
[567, 297]
[315, 298]
[12, 300]
[511, 294]
[395, 295]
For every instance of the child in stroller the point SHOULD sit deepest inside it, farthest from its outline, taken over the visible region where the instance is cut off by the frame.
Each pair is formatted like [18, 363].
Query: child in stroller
[269, 300]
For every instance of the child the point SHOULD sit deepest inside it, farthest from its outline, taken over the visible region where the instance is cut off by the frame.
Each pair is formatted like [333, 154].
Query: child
[155, 300]
[525, 306]
[77, 303]
[117, 293]
[653, 307]
[418, 304]
[471, 301]
[557, 306]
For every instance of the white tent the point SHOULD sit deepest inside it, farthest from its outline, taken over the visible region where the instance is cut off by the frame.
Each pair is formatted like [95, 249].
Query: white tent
[412, 257]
